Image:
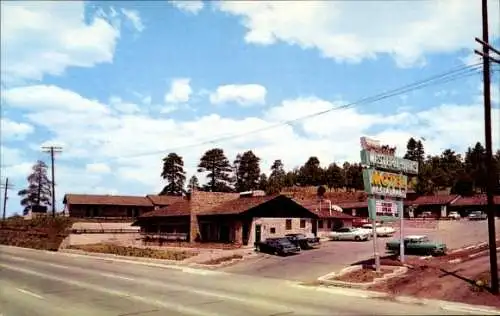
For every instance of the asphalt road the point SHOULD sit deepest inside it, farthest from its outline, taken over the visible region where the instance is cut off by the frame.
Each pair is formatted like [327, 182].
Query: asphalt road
[41, 283]
[334, 255]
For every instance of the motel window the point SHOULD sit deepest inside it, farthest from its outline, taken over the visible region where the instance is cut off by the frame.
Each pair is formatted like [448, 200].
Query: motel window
[273, 230]
[302, 223]
[320, 224]
[329, 223]
[288, 224]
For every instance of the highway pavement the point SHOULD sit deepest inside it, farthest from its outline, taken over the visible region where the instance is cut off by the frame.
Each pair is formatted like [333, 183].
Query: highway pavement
[44, 283]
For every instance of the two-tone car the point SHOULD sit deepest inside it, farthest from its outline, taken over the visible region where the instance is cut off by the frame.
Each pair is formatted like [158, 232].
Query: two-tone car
[303, 241]
[350, 233]
[417, 245]
[277, 246]
[382, 231]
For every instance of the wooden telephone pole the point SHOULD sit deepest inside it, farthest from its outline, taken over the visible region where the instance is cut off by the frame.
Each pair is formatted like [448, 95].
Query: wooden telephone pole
[7, 186]
[53, 150]
[489, 152]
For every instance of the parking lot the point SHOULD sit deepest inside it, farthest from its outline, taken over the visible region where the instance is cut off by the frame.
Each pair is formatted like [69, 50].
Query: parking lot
[334, 255]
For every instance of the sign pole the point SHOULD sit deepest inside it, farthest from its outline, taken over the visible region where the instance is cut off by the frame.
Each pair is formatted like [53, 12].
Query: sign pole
[375, 245]
[401, 232]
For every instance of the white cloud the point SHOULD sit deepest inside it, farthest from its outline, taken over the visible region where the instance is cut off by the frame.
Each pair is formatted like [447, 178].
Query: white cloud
[352, 31]
[11, 129]
[122, 106]
[97, 168]
[191, 6]
[180, 91]
[118, 139]
[245, 94]
[134, 18]
[57, 35]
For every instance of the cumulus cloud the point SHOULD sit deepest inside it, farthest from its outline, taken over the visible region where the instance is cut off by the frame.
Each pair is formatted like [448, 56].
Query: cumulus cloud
[192, 6]
[350, 31]
[133, 145]
[97, 168]
[134, 18]
[58, 37]
[125, 107]
[14, 130]
[244, 94]
[180, 91]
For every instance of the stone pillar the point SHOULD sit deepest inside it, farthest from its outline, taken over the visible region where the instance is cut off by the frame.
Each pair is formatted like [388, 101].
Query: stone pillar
[194, 230]
[238, 230]
[444, 212]
[353, 212]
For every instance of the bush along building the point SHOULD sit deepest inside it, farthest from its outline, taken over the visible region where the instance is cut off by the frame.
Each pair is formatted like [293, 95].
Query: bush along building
[386, 189]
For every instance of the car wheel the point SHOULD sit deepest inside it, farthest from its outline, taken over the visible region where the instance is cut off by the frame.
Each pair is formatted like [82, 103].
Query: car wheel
[357, 238]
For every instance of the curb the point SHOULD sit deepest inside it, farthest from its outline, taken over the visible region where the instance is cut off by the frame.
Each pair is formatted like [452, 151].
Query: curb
[444, 305]
[326, 279]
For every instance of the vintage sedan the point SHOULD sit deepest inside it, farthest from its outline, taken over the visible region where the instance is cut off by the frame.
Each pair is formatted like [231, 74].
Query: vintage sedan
[382, 231]
[303, 241]
[477, 216]
[350, 233]
[277, 246]
[417, 245]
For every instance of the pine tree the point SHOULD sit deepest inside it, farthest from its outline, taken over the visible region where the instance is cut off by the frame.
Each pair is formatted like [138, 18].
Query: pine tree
[173, 172]
[193, 183]
[215, 162]
[247, 172]
[277, 177]
[38, 192]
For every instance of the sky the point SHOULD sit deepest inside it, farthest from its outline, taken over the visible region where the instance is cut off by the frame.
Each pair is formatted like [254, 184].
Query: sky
[119, 85]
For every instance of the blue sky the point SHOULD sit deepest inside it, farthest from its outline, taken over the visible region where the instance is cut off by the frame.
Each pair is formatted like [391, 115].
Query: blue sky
[120, 84]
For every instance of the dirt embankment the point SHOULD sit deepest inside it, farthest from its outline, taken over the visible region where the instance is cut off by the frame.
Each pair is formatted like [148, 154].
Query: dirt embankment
[45, 233]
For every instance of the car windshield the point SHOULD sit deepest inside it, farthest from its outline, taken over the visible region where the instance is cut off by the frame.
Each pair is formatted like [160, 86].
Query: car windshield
[283, 241]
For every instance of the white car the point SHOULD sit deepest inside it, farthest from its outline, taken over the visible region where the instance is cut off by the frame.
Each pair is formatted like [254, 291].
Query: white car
[382, 231]
[350, 233]
[454, 215]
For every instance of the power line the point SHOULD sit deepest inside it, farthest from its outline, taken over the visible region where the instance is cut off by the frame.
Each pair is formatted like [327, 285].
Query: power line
[53, 150]
[454, 74]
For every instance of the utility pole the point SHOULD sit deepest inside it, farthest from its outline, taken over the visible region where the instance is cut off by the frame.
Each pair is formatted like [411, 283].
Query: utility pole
[7, 186]
[489, 152]
[53, 150]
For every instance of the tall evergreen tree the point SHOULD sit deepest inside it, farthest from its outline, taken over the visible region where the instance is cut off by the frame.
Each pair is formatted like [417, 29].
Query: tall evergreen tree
[247, 172]
[38, 192]
[475, 164]
[334, 177]
[277, 177]
[311, 173]
[215, 162]
[263, 184]
[193, 183]
[173, 172]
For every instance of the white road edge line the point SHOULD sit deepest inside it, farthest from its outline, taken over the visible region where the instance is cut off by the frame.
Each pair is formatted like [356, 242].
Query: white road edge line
[483, 311]
[29, 293]
[110, 275]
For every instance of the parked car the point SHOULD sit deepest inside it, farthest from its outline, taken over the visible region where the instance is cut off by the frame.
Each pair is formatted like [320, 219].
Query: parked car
[382, 231]
[303, 241]
[277, 246]
[427, 214]
[350, 233]
[417, 245]
[359, 222]
[477, 216]
[454, 215]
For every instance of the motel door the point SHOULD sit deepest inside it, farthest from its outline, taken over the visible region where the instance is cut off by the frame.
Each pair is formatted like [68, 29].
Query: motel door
[314, 223]
[258, 232]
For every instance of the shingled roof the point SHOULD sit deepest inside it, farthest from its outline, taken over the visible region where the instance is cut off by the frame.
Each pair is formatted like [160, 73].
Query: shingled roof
[163, 200]
[479, 199]
[432, 200]
[179, 208]
[94, 199]
[237, 206]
